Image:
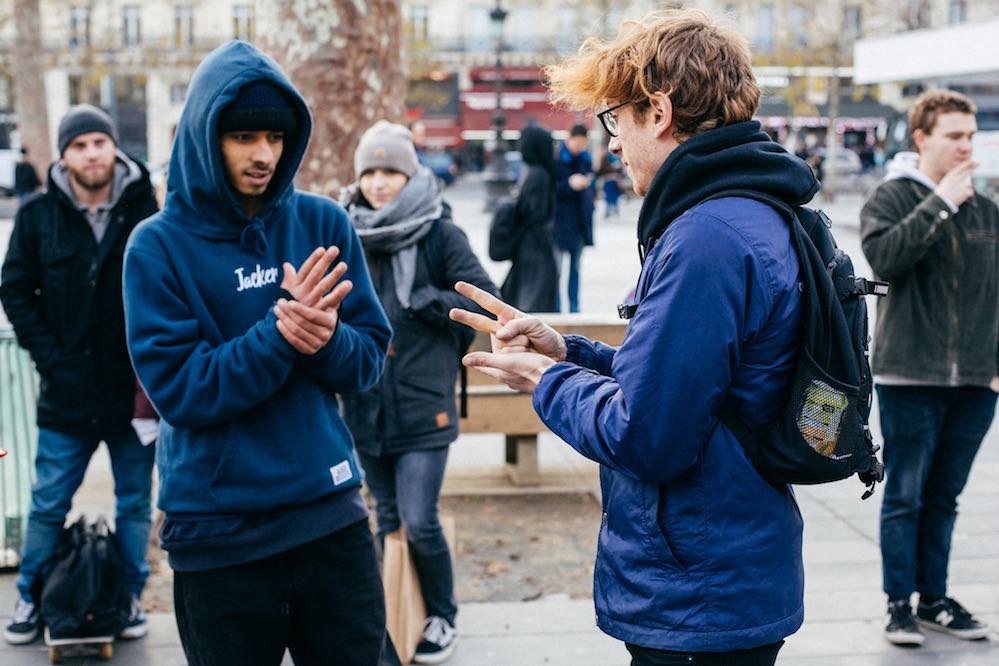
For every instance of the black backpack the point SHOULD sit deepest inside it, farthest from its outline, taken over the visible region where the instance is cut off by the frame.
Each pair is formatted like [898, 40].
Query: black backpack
[84, 594]
[822, 433]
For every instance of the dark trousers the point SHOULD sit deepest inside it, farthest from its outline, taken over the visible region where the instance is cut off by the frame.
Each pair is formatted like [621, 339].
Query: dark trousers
[931, 437]
[323, 601]
[765, 655]
[407, 491]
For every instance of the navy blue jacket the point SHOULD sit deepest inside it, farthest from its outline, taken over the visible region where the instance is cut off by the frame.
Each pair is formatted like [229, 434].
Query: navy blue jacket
[249, 425]
[573, 208]
[696, 551]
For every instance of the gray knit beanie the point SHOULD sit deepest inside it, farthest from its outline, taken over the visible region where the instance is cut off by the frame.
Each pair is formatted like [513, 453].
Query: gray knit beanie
[81, 119]
[386, 145]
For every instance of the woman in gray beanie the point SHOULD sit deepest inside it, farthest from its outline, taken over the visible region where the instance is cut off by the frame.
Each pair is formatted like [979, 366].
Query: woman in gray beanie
[404, 426]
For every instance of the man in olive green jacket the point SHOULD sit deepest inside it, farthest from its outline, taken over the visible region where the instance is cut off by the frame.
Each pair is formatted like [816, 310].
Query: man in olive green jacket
[927, 231]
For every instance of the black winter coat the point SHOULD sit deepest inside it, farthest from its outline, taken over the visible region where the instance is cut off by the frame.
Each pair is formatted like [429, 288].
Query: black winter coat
[532, 283]
[62, 293]
[413, 406]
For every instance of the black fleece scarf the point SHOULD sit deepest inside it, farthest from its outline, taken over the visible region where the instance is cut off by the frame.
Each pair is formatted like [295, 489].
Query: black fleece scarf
[735, 157]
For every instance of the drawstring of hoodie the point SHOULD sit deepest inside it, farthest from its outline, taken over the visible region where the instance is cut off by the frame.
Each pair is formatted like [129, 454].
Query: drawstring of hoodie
[253, 238]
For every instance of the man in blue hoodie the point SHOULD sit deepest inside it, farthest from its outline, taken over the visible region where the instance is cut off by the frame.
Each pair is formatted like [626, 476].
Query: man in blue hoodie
[242, 354]
[699, 558]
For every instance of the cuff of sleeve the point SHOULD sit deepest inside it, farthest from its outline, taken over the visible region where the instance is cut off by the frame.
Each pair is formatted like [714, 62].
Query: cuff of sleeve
[338, 344]
[950, 204]
[574, 349]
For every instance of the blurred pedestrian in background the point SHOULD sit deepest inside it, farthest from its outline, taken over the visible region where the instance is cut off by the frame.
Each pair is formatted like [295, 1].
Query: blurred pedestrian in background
[26, 181]
[532, 283]
[574, 189]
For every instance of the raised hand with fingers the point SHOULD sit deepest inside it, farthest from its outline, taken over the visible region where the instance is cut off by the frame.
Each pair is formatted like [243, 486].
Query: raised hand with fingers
[309, 321]
[311, 282]
[512, 331]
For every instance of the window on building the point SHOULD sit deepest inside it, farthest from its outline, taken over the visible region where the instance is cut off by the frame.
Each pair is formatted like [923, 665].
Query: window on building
[183, 25]
[523, 29]
[957, 11]
[82, 91]
[799, 26]
[478, 36]
[565, 39]
[79, 26]
[853, 23]
[765, 28]
[178, 92]
[243, 22]
[418, 22]
[131, 32]
[917, 14]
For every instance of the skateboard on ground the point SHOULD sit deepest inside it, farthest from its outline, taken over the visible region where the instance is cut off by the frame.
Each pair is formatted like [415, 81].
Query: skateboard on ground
[78, 646]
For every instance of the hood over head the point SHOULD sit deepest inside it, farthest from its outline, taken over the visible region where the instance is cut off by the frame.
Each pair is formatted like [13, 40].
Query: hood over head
[739, 156]
[197, 182]
[537, 149]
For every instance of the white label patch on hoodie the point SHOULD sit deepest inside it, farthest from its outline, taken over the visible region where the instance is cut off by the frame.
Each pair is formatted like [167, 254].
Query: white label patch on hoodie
[257, 278]
[341, 473]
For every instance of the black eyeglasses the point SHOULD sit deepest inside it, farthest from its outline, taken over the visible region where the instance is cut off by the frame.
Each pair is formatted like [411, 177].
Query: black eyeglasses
[609, 120]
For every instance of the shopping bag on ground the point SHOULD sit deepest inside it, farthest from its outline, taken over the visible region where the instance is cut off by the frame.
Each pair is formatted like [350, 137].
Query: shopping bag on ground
[404, 607]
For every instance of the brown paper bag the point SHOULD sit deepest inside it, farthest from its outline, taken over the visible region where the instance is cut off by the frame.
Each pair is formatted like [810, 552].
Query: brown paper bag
[405, 611]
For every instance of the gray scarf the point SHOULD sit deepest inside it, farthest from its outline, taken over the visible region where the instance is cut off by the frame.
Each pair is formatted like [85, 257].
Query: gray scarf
[397, 227]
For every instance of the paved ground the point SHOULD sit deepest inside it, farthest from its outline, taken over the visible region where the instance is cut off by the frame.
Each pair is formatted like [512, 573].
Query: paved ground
[843, 603]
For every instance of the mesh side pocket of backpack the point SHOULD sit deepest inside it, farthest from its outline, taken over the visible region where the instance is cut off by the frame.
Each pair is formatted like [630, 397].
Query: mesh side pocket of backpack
[823, 416]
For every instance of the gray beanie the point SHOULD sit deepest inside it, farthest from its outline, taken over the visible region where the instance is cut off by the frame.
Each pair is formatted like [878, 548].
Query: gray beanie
[386, 145]
[81, 119]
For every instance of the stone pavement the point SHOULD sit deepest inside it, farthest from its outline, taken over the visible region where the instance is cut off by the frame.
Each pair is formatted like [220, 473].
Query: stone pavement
[843, 604]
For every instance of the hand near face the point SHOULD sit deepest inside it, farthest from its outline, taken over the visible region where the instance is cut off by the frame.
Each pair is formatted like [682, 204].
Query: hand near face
[956, 184]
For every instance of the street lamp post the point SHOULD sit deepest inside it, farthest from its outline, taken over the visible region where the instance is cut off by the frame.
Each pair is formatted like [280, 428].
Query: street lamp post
[499, 180]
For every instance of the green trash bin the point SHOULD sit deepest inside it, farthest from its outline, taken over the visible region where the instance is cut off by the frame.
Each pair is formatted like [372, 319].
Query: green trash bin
[18, 434]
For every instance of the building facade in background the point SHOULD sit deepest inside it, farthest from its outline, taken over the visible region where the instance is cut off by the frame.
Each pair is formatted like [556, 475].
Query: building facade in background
[135, 59]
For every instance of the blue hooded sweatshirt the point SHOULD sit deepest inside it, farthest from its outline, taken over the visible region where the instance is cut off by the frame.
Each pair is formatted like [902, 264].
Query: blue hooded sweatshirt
[696, 551]
[253, 457]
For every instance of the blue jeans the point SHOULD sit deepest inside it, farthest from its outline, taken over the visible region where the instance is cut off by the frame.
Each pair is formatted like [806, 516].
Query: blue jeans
[407, 489]
[573, 286]
[931, 437]
[60, 463]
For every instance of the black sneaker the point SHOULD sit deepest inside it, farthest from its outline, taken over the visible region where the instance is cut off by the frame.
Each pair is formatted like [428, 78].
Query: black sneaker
[950, 617]
[439, 641]
[902, 628]
[136, 627]
[23, 625]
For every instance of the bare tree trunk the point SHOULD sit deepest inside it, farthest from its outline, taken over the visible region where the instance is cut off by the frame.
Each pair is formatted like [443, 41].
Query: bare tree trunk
[345, 56]
[28, 72]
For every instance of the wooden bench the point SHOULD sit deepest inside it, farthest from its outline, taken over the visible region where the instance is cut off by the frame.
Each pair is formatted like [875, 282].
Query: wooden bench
[492, 407]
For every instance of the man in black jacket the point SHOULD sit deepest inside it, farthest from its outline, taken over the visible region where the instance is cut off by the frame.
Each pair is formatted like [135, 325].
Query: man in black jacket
[26, 180]
[928, 232]
[61, 289]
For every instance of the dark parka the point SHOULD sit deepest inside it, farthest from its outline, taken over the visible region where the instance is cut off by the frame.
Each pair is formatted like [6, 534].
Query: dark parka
[62, 293]
[413, 406]
[532, 283]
